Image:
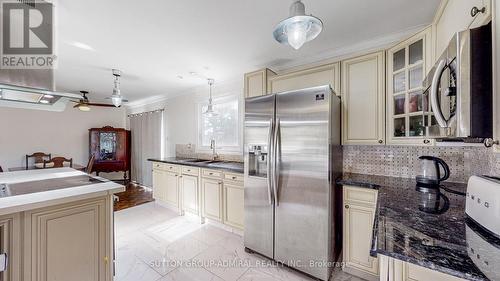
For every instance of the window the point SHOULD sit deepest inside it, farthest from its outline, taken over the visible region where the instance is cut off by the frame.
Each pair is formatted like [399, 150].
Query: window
[223, 128]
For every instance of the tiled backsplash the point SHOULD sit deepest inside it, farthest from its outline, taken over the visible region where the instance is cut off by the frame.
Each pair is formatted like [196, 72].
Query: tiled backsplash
[402, 161]
[189, 151]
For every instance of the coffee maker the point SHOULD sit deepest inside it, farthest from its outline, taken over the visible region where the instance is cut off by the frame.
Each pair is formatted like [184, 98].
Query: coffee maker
[430, 172]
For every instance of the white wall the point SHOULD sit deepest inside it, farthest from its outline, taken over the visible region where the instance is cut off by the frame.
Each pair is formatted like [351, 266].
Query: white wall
[181, 116]
[24, 131]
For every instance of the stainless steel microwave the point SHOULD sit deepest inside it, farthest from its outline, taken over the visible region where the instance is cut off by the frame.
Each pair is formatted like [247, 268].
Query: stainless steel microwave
[459, 88]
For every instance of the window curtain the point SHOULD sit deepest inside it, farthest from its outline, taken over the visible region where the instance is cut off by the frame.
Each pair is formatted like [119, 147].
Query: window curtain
[146, 129]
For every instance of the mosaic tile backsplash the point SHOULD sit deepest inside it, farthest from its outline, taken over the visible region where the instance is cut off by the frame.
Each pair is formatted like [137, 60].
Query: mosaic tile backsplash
[395, 161]
[402, 161]
[189, 151]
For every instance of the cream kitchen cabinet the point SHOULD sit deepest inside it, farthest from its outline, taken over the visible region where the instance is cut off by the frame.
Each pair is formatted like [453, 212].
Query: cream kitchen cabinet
[407, 64]
[158, 185]
[455, 16]
[328, 74]
[166, 185]
[363, 96]
[397, 270]
[256, 82]
[10, 246]
[171, 195]
[69, 242]
[234, 201]
[359, 214]
[212, 198]
[190, 198]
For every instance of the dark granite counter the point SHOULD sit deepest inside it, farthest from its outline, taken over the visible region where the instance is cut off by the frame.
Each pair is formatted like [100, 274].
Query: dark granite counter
[427, 229]
[234, 167]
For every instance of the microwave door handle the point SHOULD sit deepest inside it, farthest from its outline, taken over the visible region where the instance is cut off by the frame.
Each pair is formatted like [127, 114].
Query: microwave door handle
[436, 80]
[277, 160]
[269, 162]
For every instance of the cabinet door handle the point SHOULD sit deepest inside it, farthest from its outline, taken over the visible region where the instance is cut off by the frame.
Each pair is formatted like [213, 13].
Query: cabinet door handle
[347, 206]
[475, 10]
[427, 141]
[211, 174]
[176, 175]
[380, 141]
[234, 178]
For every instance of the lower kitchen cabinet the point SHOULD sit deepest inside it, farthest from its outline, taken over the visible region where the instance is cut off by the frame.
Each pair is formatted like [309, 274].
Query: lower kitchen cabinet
[69, 242]
[171, 195]
[396, 270]
[158, 185]
[189, 187]
[166, 185]
[234, 204]
[10, 246]
[359, 215]
[212, 198]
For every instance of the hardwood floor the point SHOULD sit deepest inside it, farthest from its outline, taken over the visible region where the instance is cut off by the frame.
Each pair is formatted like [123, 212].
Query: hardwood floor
[133, 195]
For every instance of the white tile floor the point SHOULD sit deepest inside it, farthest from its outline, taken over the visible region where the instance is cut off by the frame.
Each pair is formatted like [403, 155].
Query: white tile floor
[155, 244]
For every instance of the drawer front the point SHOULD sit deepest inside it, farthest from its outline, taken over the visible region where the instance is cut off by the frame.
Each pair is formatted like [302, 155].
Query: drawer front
[187, 170]
[172, 168]
[233, 177]
[212, 173]
[360, 195]
[159, 166]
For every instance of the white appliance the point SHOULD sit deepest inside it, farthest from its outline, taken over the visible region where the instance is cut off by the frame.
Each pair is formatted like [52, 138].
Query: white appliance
[482, 204]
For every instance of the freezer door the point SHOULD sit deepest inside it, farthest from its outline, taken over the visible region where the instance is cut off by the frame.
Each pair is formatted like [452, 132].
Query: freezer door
[302, 212]
[259, 203]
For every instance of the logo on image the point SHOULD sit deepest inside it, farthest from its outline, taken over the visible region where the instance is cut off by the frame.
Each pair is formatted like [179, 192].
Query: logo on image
[27, 35]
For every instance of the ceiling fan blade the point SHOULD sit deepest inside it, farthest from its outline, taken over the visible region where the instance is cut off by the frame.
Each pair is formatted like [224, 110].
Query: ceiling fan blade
[100, 104]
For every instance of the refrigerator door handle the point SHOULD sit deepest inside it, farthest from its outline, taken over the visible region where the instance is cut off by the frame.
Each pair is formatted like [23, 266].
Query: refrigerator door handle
[269, 163]
[277, 160]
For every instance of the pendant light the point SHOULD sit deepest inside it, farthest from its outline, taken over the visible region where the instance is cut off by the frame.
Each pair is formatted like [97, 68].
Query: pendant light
[298, 28]
[210, 112]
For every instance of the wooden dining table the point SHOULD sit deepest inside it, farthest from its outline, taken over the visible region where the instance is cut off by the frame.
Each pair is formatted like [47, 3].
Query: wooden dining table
[75, 166]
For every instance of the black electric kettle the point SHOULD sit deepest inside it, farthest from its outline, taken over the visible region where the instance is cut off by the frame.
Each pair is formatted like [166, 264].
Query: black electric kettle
[430, 173]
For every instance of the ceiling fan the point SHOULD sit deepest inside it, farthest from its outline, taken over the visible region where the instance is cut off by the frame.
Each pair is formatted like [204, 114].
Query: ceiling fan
[84, 104]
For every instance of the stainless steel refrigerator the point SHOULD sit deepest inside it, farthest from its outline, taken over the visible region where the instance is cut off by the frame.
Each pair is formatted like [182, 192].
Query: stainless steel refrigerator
[292, 157]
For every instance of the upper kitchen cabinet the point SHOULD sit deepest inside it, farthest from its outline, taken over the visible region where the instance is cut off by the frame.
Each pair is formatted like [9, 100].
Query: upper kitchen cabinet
[455, 16]
[256, 82]
[363, 103]
[407, 65]
[328, 74]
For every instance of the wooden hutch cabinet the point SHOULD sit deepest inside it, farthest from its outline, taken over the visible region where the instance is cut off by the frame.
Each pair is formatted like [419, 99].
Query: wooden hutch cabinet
[111, 147]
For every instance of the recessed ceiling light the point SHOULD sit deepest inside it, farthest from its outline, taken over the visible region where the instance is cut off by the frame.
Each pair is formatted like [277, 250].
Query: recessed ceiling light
[44, 101]
[48, 96]
[180, 76]
[81, 46]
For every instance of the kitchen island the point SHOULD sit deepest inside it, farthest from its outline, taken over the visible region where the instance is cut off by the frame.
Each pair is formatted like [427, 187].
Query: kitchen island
[424, 236]
[56, 224]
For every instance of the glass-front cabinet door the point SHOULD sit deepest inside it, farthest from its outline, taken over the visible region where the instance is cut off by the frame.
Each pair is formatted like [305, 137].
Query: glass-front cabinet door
[407, 65]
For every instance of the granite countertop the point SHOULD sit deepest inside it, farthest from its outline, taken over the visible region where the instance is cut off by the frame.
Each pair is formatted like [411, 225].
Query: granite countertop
[29, 189]
[432, 237]
[234, 167]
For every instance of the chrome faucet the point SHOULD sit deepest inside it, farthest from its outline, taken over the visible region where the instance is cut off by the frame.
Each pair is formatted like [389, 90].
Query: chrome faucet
[215, 156]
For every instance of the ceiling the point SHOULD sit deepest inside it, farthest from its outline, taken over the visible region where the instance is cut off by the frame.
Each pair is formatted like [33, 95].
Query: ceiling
[155, 41]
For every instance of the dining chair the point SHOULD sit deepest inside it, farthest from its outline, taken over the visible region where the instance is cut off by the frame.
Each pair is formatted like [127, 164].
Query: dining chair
[57, 162]
[40, 157]
[90, 164]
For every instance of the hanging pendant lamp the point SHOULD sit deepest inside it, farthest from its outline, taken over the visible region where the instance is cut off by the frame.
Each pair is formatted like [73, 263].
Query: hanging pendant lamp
[210, 112]
[299, 28]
